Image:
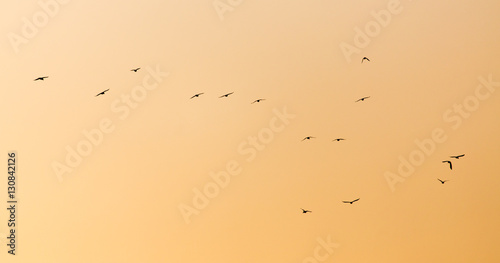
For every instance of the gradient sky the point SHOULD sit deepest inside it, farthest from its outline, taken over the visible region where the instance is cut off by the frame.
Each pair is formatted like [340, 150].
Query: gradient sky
[121, 202]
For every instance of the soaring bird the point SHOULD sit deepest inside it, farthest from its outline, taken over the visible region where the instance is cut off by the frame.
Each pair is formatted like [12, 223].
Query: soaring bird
[41, 78]
[365, 58]
[197, 95]
[102, 93]
[451, 167]
[442, 181]
[226, 95]
[457, 156]
[362, 99]
[350, 202]
[338, 139]
[135, 69]
[305, 211]
[258, 100]
[308, 138]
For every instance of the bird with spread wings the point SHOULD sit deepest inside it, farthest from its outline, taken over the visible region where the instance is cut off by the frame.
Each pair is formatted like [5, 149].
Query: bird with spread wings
[451, 166]
[350, 202]
[457, 156]
[226, 95]
[101, 93]
[197, 95]
[41, 78]
[362, 99]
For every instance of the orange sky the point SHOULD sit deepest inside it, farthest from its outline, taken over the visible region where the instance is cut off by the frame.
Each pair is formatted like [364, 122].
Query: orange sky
[143, 173]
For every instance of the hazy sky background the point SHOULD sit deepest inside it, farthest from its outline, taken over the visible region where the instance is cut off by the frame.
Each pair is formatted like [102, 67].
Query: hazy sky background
[121, 203]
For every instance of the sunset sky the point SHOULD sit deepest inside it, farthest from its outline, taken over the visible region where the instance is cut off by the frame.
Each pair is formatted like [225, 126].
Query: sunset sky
[143, 173]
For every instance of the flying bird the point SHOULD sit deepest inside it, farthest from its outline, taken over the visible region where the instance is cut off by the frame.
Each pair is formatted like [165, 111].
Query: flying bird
[442, 181]
[362, 99]
[451, 167]
[135, 69]
[305, 211]
[308, 138]
[457, 156]
[350, 202]
[259, 100]
[226, 95]
[197, 95]
[365, 58]
[102, 93]
[41, 78]
[338, 139]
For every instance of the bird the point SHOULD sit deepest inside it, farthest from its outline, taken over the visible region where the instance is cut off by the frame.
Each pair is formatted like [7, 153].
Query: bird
[457, 156]
[41, 78]
[338, 139]
[305, 211]
[102, 93]
[197, 95]
[226, 95]
[308, 138]
[258, 100]
[365, 58]
[451, 167]
[135, 69]
[362, 99]
[442, 181]
[350, 202]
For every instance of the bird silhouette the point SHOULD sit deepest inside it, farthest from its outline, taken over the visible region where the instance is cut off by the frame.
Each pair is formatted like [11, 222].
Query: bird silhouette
[457, 156]
[362, 99]
[442, 181]
[308, 138]
[135, 69]
[365, 58]
[258, 100]
[41, 78]
[350, 202]
[305, 211]
[102, 93]
[197, 95]
[451, 167]
[226, 95]
[338, 139]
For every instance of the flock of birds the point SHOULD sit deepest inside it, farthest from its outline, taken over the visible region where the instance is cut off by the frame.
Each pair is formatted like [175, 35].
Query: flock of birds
[305, 211]
[192, 97]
